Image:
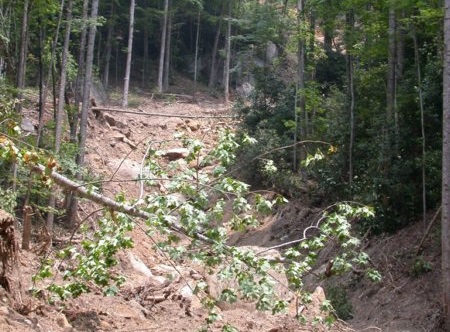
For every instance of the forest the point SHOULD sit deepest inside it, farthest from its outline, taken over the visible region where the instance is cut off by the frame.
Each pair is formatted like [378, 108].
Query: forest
[341, 101]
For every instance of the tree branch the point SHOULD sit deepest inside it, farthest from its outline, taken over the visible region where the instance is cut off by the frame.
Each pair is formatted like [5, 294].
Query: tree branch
[82, 191]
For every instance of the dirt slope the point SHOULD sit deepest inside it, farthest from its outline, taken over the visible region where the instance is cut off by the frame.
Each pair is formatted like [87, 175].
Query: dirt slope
[156, 297]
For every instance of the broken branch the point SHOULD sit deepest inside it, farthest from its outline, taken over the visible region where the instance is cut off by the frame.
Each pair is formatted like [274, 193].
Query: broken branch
[84, 192]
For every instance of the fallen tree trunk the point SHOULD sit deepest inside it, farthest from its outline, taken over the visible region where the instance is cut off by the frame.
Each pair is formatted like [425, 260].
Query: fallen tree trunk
[81, 191]
[139, 112]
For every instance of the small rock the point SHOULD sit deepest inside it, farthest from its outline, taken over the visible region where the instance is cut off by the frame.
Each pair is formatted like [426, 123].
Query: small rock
[251, 324]
[105, 326]
[4, 310]
[139, 265]
[62, 321]
[121, 124]
[110, 119]
[195, 275]
[27, 126]
[176, 153]
[193, 125]
[186, 292]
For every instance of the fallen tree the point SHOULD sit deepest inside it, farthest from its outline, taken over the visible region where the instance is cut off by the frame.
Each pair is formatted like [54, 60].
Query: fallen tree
[83, 192]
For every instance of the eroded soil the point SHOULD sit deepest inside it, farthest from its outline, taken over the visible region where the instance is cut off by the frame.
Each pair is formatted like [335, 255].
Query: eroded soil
[156, 296]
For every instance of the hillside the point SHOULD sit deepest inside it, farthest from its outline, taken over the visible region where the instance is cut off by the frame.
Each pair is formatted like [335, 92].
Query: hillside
[157, 294]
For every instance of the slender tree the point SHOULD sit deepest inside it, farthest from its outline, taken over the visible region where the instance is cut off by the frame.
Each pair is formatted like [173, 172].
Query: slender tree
[226, 71]
[422, 125]
[197, 36]
[163, 47]
[166, 73]
[350, 91]
[60, 107]
[109, 37]
[301, 82]
[213, 70]
[21, 68]
[445, 241]
[73, 117]
[129, 54]
[87, 82]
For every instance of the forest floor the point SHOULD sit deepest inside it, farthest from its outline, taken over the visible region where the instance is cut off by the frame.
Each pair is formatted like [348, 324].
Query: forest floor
[407, 298]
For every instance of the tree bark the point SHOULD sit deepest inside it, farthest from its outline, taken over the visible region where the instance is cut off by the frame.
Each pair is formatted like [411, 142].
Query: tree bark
[196, 52]
[42, 96]
[226, 71]
[21, 70]
[166, 78]
[82, 191]
[51, 66]
[391, 81]
[350, 94]
[26, 232]
[145, 59]
[213, 71]
[60, 108]
[73, 117]
[445, 241]
[163, 47]
[301, 58]
[85, 106]
[129, 54]
[422, 126]
[108, 48]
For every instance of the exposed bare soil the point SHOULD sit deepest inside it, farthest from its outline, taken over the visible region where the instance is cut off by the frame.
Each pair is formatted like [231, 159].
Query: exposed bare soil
[156, 296]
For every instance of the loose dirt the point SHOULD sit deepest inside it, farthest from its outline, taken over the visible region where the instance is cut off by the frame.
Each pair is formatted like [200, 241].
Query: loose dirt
[156, 295]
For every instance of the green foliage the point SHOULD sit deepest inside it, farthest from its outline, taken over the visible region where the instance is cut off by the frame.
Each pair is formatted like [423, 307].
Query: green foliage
[338, 298]
[420, 267]
[8, 200]
[91, 261]
[194, 201]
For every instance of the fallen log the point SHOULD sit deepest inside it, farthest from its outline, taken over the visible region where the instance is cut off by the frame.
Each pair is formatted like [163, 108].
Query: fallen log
[102, 200]
[141, 112]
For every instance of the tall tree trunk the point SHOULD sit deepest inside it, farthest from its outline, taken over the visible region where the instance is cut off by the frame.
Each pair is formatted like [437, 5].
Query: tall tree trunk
[73, 116]
[85, 105]
[226, 71]
[167, 55]
[350, 92]
[51, 66]
[422, 126]
[70, 203]
[41, 85]
[145, 59]
[60, 108]
[129, 54]
[391, 79]
[163, 47]
[445, 241]
[108, 48]
[196, 52]
[21, 70]
[213, 71]
[301, 58]
[329, 28]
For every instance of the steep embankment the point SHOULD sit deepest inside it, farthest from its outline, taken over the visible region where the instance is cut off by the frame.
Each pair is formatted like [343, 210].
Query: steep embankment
[156, 295]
